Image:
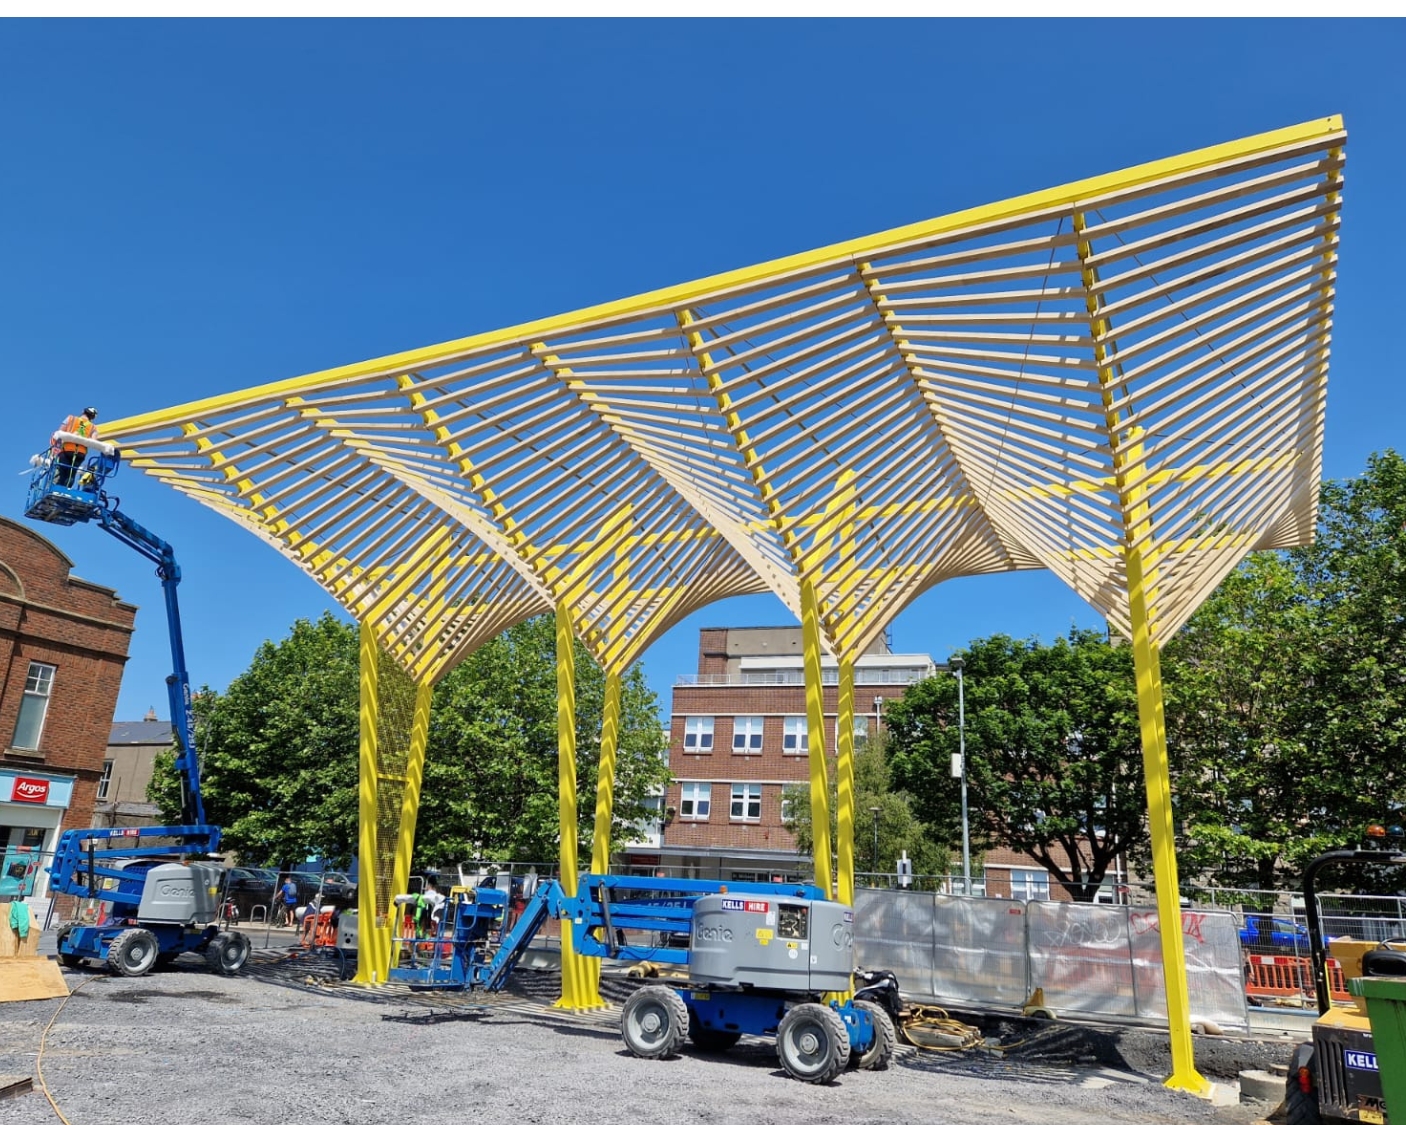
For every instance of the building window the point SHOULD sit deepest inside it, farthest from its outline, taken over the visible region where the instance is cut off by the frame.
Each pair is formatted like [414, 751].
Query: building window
[861, 726]
[698, 734]
[105, 780]
[746, 802]
[1029, 885]
[747, 734]
[797, 737]
[694, 800]
[38, 686]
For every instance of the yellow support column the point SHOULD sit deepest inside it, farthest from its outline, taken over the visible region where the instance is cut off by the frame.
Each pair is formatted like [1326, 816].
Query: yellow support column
[410, 797]
[815, 726]
[1157, 776]
[605, 796]
[844, 782]
[371, 962]
[576, 991]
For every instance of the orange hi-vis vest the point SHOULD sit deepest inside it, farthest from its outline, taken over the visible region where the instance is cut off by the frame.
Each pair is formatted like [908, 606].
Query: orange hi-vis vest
[81, 425]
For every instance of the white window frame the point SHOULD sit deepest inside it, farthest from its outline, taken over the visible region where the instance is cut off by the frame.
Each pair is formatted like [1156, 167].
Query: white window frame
[796, 739]
[1028, 884]
[699, 794]
[38, 691]
[698, 734]
[861, 726]
[745, 794]
[105, 780]
[747, 734]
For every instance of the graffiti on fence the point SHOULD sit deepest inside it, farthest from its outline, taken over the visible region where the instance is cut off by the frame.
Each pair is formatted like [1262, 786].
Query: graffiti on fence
[1145, 921]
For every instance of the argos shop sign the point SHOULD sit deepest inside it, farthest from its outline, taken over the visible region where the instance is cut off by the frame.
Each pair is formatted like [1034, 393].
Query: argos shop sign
[35, 789]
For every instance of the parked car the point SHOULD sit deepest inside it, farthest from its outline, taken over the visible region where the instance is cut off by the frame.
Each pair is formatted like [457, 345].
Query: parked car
[335, 891]
[248, 887]
[1266, 934]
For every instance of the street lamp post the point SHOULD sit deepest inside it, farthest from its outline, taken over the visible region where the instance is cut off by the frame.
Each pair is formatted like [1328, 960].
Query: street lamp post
[956, 664]
[875, 810]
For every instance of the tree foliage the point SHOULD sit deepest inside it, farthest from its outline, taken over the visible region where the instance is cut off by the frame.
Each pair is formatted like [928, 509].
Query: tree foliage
[1053, 756]
[279, 751]
[1286, 692]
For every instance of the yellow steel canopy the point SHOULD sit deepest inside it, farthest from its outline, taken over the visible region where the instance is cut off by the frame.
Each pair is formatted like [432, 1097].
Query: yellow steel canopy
[975, 393]
[1122, 380]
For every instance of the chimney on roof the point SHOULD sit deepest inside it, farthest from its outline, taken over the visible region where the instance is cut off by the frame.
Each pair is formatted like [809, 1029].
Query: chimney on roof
[150, 715]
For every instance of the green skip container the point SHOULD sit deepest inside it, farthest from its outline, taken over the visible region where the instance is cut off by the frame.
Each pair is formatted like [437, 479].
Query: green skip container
[1386, 1008]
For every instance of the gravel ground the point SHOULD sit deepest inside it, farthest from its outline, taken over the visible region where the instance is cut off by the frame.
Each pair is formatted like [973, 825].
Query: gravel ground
[286, 1041]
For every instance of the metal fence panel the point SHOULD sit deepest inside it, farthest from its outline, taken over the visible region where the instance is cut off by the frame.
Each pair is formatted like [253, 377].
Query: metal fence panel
[1080, 956]
[979, 945]
[945, 948]
[894, 930]
[1214, 967]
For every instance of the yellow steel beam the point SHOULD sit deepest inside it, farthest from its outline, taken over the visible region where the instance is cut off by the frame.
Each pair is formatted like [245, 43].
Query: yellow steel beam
[410, 795]
[815, 730]
[844, 781]
[690, 293]
[373, 938]
[1130, 472]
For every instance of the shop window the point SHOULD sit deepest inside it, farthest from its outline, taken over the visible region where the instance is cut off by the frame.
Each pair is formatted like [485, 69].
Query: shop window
[34, 706]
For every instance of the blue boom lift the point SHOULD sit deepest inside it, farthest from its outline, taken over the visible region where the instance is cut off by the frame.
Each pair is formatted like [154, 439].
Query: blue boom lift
[757, 963]
[158, 904]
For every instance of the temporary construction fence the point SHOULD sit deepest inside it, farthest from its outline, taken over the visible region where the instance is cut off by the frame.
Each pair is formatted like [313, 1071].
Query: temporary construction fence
[1089, 959]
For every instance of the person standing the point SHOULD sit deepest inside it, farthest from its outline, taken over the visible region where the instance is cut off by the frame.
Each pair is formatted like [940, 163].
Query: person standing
[432, 903]
[288, 896]
[71, 454]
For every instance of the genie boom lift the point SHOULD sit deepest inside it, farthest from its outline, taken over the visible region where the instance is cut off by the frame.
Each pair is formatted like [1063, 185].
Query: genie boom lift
[157, 900]
[757, 963]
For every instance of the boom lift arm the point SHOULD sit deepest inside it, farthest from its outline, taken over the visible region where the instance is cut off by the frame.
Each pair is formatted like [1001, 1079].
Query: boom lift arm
[153, 908]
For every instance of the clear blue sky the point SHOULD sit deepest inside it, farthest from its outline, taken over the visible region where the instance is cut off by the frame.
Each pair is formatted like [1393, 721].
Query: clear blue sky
[192, 208]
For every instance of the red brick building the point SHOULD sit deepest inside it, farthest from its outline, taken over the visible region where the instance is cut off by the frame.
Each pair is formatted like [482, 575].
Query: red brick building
[737, 738]
[63, 645]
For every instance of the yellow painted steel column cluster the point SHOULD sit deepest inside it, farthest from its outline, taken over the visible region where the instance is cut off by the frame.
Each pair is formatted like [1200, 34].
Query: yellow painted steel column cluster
[373, 936]
[577, 989]
[844, 782]
[410, 796]
[1129, 470]
[815, 728]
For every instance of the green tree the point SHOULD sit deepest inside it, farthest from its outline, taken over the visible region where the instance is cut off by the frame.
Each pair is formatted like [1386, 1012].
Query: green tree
[1054, 762]
[279, 751]
[899, 830]
[1286, 692]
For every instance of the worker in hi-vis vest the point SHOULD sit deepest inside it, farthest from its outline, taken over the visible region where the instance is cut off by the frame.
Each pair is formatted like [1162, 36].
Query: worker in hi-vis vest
[71, 454]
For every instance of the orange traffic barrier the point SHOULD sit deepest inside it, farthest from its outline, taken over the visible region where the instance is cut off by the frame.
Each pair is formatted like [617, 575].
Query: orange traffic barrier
[1337, 981]
[1275, 976]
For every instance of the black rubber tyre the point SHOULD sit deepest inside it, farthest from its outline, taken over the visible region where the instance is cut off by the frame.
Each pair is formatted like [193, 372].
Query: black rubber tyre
[227, 953]
[133, 953]
[653, 1022]
[812, 1043]
[881, 1050]
[1300, 1108]
[709, 1039]
[68, 960]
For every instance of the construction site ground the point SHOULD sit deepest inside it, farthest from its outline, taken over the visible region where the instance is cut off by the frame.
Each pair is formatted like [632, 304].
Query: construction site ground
[288, 1041]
